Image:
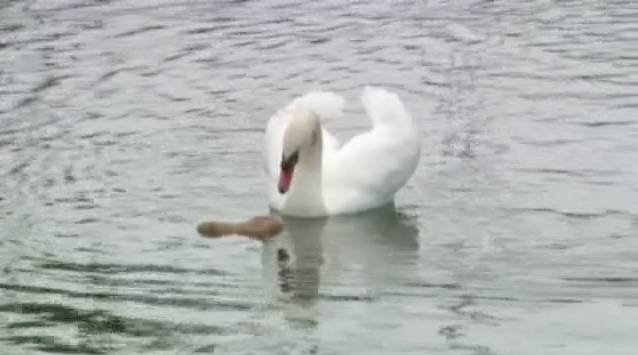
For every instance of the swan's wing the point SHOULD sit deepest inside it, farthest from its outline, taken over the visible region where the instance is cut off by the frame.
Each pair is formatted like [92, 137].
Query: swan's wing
[373, 165]
[324, 104]
[386, 109]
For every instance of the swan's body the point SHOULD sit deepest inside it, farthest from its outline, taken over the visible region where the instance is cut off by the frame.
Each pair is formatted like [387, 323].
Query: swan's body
[311, 176]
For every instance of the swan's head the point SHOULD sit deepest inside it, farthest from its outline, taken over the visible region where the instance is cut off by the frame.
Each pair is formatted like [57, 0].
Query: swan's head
[300, 138]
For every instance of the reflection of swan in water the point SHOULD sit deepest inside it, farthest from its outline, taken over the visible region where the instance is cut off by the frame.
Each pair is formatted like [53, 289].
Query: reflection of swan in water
[373, 241]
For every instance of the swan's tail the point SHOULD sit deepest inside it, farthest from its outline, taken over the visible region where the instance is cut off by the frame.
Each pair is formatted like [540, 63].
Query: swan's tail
[385, 108]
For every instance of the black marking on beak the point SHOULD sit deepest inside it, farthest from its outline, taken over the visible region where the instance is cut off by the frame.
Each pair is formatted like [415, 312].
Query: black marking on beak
[289, 163]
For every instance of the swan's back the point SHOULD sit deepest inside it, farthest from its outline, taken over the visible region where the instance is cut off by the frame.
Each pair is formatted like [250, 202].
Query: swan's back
[368, 170]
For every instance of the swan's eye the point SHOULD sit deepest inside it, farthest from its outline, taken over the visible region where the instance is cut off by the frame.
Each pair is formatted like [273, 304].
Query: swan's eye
[289, 162]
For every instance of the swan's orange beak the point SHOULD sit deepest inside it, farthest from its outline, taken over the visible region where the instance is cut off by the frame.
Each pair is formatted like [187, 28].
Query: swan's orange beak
[287, 170]
[285, 178]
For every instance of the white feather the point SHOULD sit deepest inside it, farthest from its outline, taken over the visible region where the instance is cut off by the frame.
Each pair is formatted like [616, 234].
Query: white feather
[364, 173]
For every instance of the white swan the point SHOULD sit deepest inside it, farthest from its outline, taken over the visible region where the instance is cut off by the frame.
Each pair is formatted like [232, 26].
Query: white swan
[311, 176]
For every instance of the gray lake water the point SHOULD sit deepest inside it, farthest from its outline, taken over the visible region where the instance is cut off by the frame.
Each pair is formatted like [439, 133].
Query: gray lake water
[125, 123]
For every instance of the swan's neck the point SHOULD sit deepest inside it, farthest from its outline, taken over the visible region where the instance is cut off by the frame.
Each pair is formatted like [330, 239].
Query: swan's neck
[305, 196]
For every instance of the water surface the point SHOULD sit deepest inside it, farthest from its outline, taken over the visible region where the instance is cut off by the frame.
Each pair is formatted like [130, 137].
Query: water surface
[125, 123]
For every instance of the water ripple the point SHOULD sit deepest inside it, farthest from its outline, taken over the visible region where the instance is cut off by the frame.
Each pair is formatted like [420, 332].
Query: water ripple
[123, 124]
